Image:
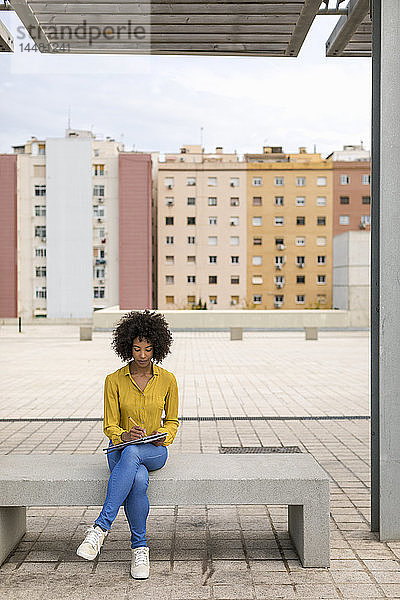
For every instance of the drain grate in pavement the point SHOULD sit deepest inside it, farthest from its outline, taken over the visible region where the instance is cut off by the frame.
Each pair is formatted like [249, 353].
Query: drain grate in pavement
[259, 450]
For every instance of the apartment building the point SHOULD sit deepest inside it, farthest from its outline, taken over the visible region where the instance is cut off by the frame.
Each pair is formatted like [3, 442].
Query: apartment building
[351, 189]
[289, 220]
[201, 230]
[83, 225]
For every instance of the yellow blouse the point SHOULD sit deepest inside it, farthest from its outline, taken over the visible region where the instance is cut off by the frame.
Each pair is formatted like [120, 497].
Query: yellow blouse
[123, 398]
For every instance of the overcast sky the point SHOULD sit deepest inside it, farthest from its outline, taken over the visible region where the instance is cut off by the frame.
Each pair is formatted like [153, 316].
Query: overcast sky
[161, 102]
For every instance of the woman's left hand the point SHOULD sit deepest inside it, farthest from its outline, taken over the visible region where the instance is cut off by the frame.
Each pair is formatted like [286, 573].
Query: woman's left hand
[158, 442]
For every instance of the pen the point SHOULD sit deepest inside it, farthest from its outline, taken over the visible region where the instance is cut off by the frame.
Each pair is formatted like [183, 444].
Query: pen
[133, 422]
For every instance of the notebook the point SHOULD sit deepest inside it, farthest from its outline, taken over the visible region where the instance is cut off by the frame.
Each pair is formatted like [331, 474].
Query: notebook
[144, 440]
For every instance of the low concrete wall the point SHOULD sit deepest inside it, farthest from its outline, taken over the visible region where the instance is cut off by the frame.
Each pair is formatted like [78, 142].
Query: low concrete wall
[248, 319]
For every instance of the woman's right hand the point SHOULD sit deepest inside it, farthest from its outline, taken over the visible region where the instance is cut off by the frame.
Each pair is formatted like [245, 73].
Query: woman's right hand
[135, 433]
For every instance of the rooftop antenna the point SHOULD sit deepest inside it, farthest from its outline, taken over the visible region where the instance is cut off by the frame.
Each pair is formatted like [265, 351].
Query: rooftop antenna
[315, 148]
[69, 117]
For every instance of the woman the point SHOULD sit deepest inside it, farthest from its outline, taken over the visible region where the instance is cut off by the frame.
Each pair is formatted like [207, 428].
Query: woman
[138, 392]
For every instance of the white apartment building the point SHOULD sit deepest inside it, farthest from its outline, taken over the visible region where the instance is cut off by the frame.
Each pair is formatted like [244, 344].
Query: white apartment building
[73, 179]
[201, 230]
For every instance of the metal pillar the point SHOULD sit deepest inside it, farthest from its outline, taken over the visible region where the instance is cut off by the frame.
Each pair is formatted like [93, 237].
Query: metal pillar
[386, 271]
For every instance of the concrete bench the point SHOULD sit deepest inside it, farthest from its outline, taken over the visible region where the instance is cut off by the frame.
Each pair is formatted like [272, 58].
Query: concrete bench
[187, 479]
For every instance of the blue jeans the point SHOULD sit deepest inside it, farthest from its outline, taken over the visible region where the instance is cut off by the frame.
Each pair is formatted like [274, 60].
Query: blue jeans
[128, 484]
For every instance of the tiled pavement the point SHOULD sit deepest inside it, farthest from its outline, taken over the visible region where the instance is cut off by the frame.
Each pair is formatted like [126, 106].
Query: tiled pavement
[200, 552]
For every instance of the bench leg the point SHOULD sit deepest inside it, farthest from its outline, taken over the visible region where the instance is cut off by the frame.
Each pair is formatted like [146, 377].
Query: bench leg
[309, 531]
[12, 528]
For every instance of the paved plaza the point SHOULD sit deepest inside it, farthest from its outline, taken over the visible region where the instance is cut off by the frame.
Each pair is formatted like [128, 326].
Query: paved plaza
[261, 391]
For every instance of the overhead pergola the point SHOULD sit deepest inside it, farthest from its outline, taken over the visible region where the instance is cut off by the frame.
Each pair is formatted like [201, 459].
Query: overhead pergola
[214, 27]
[278, 28]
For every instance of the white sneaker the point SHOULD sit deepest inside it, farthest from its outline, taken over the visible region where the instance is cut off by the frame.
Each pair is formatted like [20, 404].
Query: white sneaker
[140, 566]
[92, 543]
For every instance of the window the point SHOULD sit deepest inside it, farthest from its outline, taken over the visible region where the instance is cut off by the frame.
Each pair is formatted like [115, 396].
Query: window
[40, 271]
[98, 291]
[257, 201]
[321, 201]
[257, 241]
[212, 240]
[191, 299]
[212, 259]
[279, 242]
[257, 181]
[321, 241]
[169, 260]
[321, 181]
[300, 298]
[235, 279]
[365, 179]
[279, 201]
[191, 278]
[98, 190]
[191, 239]
[212, 201]
[321, 220]
[98, 170]
[40, 251]
[191, 259]
[344, 200]
[257, 221]
[212, 279]
[191, 221]
[279, 280]
[234, 240]
[234, 221]
[300, 241]
[98, 210]
[257, 299]
[234, 182]
[300, 260]
[40, 292]
[169, 220]
[300, 181]
[365, 219]
[40, 231]
[257, 279]
[169, 182]
[366, 199]
[321, 298]
[234, 201]
[99, 273]
[191, 201]
[169, 239]
[190, 180]
[212, 299]
[257, 260]
[169, 299]
[169, 279]
[234, 260]
[279, 221]
[300, 201]
[344, 219]
[321, 259]
[300, 220]
[300, 278]
[40, 190]
[279, 260]
[278, 299]
[321, 279]
[212, 181]
[234, 300]
[169, 200]
[279, 181]
[40, 210]
[212, 220]
[96, 152]
[39, 170]
[344, 179]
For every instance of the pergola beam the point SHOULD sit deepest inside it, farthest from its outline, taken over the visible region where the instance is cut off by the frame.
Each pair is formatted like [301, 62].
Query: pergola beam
[6, 39]
[346, 27]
